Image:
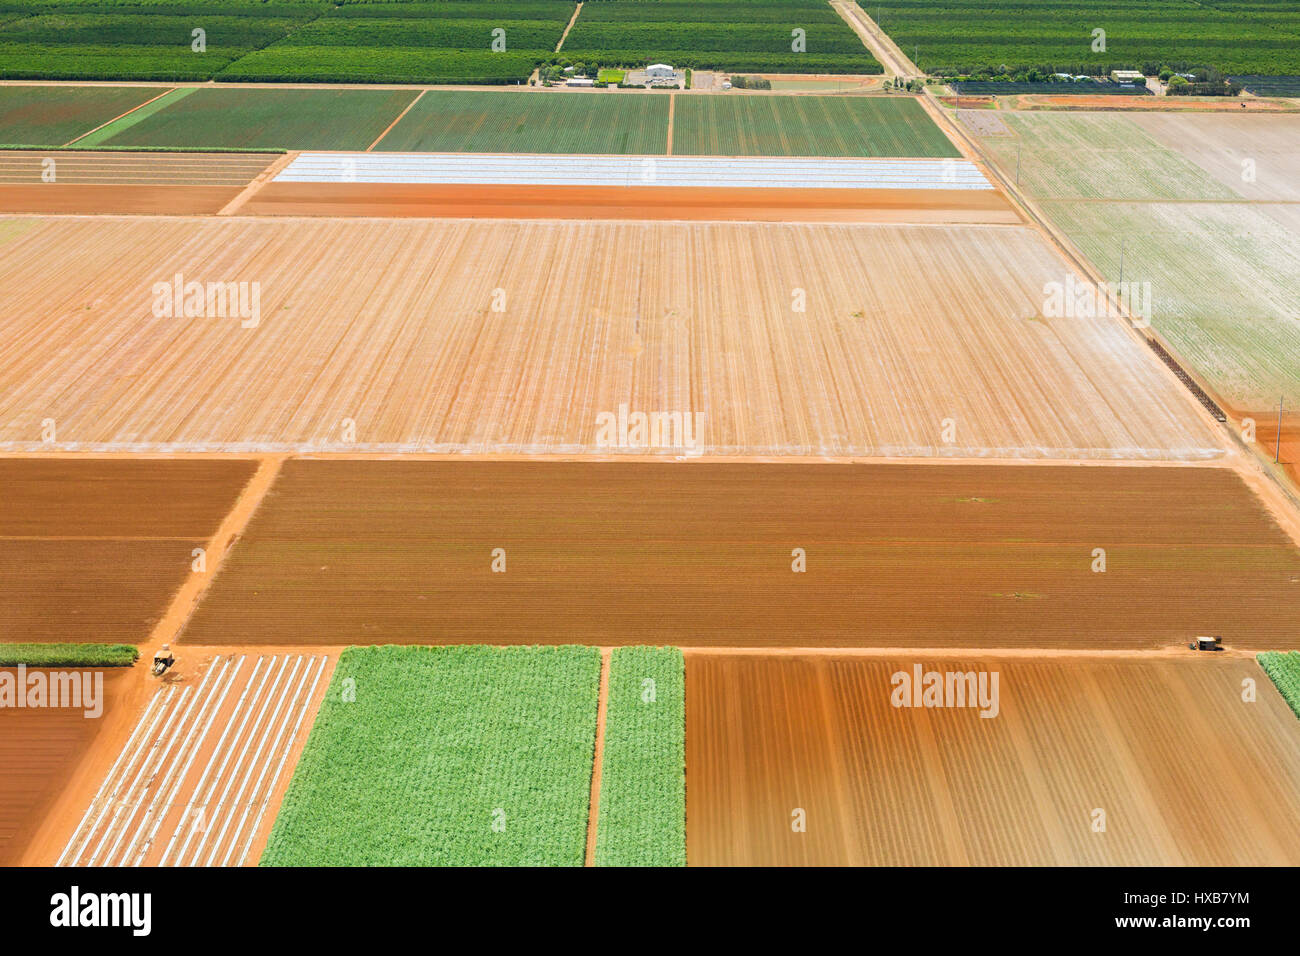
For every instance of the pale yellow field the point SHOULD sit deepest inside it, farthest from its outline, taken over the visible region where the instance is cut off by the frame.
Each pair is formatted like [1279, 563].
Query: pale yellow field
[391, 325]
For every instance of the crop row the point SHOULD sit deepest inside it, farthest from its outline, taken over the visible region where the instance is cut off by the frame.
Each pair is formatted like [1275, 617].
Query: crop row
[68, 655]
[446, 42]
[960, 36]
[743, 36]
[642, 818]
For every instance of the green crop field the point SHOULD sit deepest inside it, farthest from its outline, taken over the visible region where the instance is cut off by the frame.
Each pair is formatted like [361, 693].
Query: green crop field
[1095, 156]
[68, 655]
[1283, 668]
[806, 126]
[741, 35]
[642, 819]
[259, 118]
[958, 36]
[1221, 270]
[53, 115]
[446, 756]
[150, 41]
[429, 41]
[422, 42]
[518, 122]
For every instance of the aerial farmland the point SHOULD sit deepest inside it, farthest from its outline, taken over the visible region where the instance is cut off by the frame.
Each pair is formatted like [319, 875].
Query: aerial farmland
[614, 434]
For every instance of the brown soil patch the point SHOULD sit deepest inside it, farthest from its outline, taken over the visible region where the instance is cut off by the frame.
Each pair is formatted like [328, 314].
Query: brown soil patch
[701, 554]
[1185, 771]
[79, 199]
[632, 202]
[93, 550]
[40, 749]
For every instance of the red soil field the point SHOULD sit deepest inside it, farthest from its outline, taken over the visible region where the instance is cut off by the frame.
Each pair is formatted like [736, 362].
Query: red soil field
[1185, 771]
[81, 199]
[177, 184]
[39, 751]
[93, 550]
[700, 553]
[631, 202]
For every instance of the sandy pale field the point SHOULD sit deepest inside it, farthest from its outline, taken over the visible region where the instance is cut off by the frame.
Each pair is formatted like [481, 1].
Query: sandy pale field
[486, 337]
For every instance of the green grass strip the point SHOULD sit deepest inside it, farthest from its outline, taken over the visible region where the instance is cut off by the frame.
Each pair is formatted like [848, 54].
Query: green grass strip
[144, 149]
[642, 818]
[1283, 668]
[446, 756]
[130, 119]
[68, 655]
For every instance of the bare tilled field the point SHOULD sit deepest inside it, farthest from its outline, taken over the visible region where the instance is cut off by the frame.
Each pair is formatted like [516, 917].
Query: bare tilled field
[39, 750]
[516, 338]
[1164, 754]
[200, 778]
[124, 183]
[1253, 155]
[93, 550]
[703, 553]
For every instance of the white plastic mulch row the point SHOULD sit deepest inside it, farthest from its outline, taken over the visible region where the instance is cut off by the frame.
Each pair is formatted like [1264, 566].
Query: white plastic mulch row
[712, 172]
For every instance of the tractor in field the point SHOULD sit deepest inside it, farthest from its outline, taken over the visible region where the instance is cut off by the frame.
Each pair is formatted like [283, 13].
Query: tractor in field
[1204, 643]
[162, 660]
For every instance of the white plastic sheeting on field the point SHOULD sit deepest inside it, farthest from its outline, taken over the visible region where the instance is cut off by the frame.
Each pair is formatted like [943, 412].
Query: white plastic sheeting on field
[671, 171]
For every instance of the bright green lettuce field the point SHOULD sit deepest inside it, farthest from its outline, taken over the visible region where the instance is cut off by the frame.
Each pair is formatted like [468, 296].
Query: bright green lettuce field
[453, 756]
[642, 819]
[1283, 668]
[68, 655]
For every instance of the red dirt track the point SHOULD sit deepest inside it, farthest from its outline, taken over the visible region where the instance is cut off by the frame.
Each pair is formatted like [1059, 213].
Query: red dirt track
[86, 199]
[631, 202]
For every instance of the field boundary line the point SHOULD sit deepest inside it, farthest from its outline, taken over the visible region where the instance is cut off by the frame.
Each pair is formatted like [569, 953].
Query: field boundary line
[170, 89]
[602, 708]
[257, 182]
[419, 96]
[187, 598]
